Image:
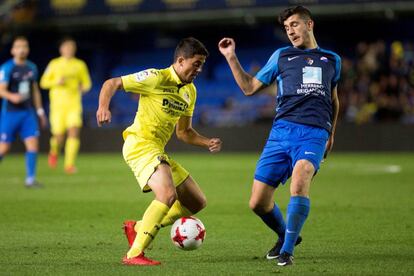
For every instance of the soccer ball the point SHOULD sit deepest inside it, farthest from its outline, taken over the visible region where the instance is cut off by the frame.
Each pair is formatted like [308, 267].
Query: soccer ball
[188, 233]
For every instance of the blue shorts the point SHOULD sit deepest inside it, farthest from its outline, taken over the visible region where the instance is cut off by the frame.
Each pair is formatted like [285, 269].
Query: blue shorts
[19, 122]
[289, 142]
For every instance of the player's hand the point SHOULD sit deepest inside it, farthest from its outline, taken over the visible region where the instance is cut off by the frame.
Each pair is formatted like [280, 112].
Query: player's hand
[103, 116]
[227, 46]
[15, 98]
[43, 121]
[61, 81]
[214, 145]
[329, 146]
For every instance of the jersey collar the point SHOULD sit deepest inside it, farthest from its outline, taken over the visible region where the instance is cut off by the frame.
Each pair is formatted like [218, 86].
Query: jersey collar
[174, 75]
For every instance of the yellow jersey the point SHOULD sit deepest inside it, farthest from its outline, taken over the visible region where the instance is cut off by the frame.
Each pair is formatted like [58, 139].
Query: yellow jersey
[75, 75]
[164, 98]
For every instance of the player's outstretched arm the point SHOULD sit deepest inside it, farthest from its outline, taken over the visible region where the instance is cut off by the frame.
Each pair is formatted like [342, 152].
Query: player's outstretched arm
[247, 83]
[103, 115]
[187, 134]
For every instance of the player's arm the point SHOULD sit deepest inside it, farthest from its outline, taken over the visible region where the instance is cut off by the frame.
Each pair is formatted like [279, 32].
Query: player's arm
[103, 115]
[186, 133]
[335, 112]
[6, 94]
[247, 83]
[37, 101]
[49, 77]
[85, 84]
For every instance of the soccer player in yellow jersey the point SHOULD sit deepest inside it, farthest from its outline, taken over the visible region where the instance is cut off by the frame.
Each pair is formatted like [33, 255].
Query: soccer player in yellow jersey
[167, 99]
[67, 78]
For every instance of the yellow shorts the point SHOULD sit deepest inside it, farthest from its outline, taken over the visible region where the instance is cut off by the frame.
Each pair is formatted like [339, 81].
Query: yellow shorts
[62, 119]
[143, 157]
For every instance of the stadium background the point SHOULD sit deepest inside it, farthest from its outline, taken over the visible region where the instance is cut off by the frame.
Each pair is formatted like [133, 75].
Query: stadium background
[117, 37]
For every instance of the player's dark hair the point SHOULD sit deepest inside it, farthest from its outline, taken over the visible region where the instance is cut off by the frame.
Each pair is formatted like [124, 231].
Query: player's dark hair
[66, 39]
[189, 47]
[303, 12]
[20, 37]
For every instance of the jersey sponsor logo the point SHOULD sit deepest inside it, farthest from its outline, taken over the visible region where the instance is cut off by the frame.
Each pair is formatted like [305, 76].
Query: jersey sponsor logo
[142, 75]
[312, 74]
[292, 58]
[173, 107]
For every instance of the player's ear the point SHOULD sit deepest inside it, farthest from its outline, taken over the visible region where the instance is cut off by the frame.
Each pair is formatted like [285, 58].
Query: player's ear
[310, 24]
[180, 60]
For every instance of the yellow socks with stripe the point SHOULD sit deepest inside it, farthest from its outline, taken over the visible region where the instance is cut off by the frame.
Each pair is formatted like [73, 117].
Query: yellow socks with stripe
[176, 211]
[71, 151]
[149, 227]
[54, 146]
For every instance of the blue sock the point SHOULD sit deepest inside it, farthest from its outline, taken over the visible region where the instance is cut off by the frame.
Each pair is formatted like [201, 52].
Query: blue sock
[1, 157]
[297, 212]
[31, 158]
[274, 220]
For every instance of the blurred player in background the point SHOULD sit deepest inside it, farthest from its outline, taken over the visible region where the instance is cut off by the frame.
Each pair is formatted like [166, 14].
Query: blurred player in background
[21, 102]
[67, 78]
[167, 100]
[303, 129]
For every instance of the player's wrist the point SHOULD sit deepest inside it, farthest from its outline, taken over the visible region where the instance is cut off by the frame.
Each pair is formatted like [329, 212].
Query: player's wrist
[40, 111]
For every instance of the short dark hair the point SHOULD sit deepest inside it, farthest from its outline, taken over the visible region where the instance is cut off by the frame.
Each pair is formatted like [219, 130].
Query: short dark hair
[66, 39]
[189, 47]
[20, 37]
[303, 12]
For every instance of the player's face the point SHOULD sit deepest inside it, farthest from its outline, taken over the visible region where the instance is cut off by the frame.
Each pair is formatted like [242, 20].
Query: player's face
[189, 68]
[20, 49]
[68, 49]
[298, 30]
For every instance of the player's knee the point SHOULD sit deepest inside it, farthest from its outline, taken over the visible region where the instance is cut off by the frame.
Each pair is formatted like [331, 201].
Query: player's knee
[202, 203]
[257, 207]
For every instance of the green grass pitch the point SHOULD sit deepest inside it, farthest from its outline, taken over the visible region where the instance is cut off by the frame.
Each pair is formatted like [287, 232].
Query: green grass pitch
[361, 220]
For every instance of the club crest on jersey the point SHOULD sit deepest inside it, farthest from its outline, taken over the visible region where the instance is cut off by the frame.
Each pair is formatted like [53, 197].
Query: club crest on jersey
[324, 59]
[309, 61]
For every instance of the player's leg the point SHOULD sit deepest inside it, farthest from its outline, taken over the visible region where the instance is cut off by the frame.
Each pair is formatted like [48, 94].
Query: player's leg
[306, 156]
[4, 149]
[74, 124]
[162, 185]
[29, 132]
[71, 149]
[58, 127]
[32, 147]
[190, 201]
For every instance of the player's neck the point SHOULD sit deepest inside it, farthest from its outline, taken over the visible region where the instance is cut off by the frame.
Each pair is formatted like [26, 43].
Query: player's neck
[19, 61]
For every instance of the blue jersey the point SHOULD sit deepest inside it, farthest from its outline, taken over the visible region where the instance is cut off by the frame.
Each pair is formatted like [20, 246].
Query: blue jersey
[305, 79]
[19, 79]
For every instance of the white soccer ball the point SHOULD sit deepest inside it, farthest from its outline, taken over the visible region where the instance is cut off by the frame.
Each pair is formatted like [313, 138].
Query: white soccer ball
[188, 233]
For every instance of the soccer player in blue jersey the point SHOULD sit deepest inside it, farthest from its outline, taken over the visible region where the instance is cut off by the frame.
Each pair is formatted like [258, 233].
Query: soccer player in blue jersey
[21, 105]
[303, 129]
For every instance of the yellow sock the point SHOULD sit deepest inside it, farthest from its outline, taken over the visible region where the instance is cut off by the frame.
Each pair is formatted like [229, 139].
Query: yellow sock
[176, 211]
[71, 151]
[54, 146]
[149, 227]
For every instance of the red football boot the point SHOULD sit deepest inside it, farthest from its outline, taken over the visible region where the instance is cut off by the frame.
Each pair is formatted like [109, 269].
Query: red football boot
[52, 160]
[129, 231]
[139, 260]
[71, 170]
